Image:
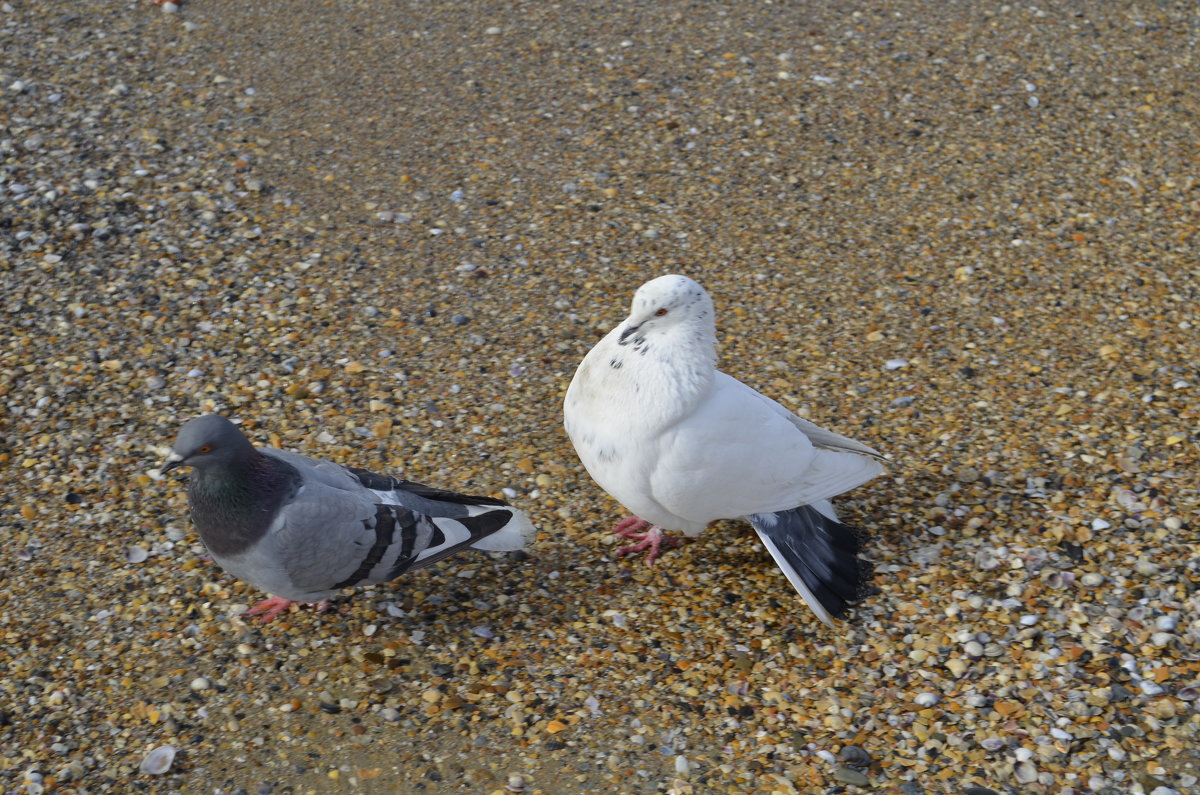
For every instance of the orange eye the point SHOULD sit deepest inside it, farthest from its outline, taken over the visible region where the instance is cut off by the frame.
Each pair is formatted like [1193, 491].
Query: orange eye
[660, 313]
[207, 448]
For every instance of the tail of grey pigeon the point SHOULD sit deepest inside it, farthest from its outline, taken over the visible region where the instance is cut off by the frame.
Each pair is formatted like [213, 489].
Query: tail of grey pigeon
[516, 534]
[818, 554]
[492, 525]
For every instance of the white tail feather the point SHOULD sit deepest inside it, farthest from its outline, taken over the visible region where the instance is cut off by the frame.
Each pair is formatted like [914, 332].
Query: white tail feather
[515, 535]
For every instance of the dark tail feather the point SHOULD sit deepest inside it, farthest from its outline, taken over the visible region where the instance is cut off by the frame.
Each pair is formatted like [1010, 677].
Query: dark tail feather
[491, 530]
[819, 555]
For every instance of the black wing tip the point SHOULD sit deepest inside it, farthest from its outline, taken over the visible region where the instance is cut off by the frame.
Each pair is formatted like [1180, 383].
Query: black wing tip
[479, 526]
[377, 482]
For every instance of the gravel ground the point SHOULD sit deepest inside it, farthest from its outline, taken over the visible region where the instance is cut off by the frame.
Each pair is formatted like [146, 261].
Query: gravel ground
[385, 234]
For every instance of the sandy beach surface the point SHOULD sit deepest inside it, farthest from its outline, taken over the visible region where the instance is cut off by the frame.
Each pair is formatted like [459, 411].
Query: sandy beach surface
[385, 233]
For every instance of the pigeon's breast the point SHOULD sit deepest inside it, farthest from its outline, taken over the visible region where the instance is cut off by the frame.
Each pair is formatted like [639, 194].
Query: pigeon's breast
[262, 565]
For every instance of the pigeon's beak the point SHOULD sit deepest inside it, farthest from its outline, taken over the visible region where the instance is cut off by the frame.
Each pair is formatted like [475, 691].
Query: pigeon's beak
[173, 461]
[627, 333]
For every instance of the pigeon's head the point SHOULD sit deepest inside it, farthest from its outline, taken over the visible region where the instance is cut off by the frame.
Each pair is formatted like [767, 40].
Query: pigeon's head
[668, 302]
[207, 441]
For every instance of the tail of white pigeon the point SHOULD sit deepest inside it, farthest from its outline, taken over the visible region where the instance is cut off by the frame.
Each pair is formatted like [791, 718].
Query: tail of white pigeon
[517, 533]
[818, 554]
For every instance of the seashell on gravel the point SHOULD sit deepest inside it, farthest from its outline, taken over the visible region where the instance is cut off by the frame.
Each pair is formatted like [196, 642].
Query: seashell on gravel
[158, 761]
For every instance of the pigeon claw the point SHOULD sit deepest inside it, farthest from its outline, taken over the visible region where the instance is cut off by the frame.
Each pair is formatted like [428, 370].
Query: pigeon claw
[651, 541]
[276, 606]
[629, 527]
[270, 609]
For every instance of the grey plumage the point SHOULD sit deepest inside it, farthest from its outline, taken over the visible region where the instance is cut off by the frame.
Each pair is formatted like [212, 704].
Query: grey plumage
[302, 529]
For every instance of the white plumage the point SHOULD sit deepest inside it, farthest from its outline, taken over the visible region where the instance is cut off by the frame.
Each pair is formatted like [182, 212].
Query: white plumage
[681, 444]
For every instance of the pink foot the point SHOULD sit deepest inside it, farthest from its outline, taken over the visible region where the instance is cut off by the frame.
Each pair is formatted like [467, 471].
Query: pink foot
[628, 527]
[276, 606]
[651, 541]
[270, 609]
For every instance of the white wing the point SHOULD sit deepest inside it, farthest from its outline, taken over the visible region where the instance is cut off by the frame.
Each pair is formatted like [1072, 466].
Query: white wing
[740, 453]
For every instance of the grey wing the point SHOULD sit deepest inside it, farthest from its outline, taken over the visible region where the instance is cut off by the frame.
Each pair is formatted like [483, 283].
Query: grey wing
[314, 470]
[331, 539]
[322, 537]
[828, 440]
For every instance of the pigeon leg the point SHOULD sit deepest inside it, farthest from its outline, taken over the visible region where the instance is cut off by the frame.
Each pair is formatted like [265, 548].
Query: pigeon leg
[271, 608]
[651, 541]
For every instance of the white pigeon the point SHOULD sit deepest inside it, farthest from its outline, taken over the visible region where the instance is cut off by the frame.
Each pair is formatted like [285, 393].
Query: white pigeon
[302, 529]
[681, 444]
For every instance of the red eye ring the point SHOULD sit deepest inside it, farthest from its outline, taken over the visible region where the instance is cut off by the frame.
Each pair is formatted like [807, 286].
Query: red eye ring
[660, 312]
[206, 448]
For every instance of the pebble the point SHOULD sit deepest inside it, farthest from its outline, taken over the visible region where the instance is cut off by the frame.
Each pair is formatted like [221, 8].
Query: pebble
[1166, 623]
[848, 775]
[855, 756]
[1150, 688]
[967, 475]
[1147, 568]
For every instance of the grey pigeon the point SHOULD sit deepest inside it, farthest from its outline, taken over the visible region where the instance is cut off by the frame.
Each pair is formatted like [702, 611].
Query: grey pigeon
[302, 529]
[682, 444]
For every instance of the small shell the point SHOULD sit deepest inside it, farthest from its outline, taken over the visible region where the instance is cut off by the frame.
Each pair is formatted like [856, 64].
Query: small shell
[136, 554]
[1052, 578]
[158, 761]
[985, 560]
[1025, 772]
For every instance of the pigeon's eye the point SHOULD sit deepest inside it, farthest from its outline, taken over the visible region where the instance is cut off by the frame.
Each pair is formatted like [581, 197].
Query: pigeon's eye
[204, 448]
[660, 313]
